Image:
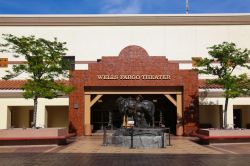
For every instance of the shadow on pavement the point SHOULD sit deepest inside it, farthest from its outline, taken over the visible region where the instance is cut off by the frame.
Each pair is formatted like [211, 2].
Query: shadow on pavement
[87, 159]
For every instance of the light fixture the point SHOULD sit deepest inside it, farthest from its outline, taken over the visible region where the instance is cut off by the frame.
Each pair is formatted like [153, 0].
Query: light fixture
[76, 106]
[191, 107]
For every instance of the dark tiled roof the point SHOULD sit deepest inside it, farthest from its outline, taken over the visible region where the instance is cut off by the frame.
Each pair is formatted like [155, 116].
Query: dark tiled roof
[204, 85]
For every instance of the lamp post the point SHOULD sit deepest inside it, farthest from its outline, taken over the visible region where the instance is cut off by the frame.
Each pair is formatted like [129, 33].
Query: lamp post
[187, 7]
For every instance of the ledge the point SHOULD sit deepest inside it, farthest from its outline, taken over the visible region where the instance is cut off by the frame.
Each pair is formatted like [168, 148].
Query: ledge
[208, 136]
[34, 136]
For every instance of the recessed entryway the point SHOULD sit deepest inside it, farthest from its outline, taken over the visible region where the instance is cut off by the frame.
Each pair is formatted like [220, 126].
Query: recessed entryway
[20, 116]
[57, 116]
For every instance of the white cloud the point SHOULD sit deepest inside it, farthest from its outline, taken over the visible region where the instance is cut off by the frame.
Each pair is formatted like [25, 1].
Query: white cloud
[121, 7]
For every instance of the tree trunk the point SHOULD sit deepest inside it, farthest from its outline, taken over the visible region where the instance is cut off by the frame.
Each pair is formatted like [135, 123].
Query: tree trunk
[225, 113]
[34, 112]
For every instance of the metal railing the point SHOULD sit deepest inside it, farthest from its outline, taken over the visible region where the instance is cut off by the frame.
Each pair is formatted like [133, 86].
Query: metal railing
[131, 131]
[164, 130]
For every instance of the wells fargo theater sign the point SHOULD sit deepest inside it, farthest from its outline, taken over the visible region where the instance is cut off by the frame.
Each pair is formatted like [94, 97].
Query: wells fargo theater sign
[133, 77]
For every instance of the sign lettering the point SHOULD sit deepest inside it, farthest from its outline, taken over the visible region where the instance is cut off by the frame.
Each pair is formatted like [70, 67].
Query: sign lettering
[133, 77]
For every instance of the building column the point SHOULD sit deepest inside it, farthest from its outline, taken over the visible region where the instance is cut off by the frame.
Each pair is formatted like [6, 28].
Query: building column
[87, 112]
[45, 117]
[179, 125]
[87, 125]
[4, 116]
[230, 114]
[8, 118]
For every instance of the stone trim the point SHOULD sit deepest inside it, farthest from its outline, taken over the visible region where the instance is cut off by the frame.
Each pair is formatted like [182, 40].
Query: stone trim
[123, 20]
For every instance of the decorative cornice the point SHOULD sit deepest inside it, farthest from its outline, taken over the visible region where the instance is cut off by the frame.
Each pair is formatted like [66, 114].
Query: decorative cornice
[123, 20]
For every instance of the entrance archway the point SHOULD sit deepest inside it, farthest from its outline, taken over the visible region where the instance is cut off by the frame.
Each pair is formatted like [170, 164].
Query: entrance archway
[100, 109]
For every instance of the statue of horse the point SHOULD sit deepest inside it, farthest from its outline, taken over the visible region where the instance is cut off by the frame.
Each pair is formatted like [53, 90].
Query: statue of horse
[141, 111]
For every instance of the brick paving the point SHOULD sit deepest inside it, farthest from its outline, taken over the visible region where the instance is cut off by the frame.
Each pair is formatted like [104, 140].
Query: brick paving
[89, 151]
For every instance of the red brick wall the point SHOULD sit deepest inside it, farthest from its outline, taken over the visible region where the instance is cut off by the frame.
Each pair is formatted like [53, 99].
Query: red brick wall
[76, 99]
[134, 60]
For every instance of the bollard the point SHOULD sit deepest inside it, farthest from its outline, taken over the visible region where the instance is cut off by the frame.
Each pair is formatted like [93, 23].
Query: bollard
[132, 139]
[104, 136]
[162, 140]
[169, 144]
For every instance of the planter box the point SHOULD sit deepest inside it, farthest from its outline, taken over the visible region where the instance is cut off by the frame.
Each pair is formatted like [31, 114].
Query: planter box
[223, 135]
[29, 136]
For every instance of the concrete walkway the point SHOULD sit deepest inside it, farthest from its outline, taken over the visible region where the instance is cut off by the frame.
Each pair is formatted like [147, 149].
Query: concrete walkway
[180, 145]
[88, 151]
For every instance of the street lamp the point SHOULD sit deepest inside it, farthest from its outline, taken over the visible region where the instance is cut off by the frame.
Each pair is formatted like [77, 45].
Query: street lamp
[186, 6]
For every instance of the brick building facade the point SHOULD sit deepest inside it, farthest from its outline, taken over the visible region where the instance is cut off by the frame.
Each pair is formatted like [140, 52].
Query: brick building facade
[135, 71]
[182, 99]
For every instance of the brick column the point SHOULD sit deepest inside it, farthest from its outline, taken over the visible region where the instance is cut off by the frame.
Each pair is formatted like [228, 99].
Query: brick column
[76, 102]
[191, 103]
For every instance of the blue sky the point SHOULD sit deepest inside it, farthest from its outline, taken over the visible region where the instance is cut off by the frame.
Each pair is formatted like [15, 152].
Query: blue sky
[122, 6]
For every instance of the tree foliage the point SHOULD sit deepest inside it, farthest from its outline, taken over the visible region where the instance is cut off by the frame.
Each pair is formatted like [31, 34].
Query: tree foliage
[225, 58]
[44, 66]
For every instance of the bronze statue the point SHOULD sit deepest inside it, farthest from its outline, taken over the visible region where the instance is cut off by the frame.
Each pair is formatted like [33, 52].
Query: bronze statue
[142, 111]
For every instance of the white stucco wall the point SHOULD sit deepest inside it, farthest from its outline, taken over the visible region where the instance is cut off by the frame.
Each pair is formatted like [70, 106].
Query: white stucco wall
[41, 110]
[239, 101]
[175, 42]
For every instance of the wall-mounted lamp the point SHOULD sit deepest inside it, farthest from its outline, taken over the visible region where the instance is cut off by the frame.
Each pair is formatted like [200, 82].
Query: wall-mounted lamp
[76, 106]
[99, 101]
[155, 101]
[191, 107]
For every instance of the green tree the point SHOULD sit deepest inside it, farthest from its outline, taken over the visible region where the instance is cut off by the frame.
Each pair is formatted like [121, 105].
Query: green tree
[228, 57]
[44, 66]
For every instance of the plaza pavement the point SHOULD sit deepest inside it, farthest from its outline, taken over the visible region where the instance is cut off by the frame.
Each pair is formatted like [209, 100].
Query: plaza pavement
[89, 151]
